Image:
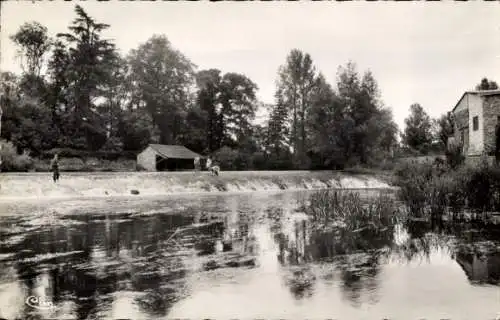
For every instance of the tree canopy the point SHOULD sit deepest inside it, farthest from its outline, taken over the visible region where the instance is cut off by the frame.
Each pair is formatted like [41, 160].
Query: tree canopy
[78, 92]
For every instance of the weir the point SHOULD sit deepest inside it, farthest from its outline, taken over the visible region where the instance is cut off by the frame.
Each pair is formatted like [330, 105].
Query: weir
[135, 184]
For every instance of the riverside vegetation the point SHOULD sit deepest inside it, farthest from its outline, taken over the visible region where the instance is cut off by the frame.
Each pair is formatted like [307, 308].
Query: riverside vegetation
[430, 191]
[444, 190]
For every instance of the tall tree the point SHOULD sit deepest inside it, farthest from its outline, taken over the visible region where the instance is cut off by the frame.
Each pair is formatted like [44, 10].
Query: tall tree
[117, 97]
[238, 98]
[278, 137]
[487, 84]
[362, 107]
[330, 124]
[208, 100]
[162, 78]
[33, 44]
[296, 82]
[417, 134]
[89, 57]
[229, 104]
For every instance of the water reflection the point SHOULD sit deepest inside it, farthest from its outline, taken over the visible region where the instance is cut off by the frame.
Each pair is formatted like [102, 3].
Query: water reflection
[229, 252]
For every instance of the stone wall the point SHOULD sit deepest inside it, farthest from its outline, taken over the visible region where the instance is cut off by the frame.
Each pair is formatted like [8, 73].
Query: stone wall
[491, 112]
[146, 160]
[461, 118]
[476, 138]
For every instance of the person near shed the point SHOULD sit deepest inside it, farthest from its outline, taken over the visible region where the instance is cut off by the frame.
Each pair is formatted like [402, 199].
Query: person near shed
[209, 163]
[54, 166]
[197, 163]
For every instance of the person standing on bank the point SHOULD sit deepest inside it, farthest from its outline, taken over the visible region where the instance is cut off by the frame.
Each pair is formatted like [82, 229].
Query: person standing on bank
[54, 166]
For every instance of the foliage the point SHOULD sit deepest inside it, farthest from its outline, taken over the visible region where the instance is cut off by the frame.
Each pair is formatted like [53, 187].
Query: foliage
[454, 153]
[349, 211]
[429, 190]
[351, 126]
[297, 80]
[92, 100]
[226, 158]
[483, 188]
[227, 105]
[417, 134]
[277, 133]
[135, 130]
[445, 128]
[487, 84]
[87, 59]
[161, 77]
[33, 43]
[12, 161]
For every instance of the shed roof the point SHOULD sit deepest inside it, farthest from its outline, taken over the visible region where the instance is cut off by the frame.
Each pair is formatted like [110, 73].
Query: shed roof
[174, 151]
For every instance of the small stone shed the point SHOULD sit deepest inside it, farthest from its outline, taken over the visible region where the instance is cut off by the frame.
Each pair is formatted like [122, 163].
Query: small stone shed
[476, 115]
[159, 157]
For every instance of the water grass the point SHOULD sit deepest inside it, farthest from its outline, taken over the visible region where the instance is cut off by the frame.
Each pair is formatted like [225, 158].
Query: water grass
[347, 210]
[430, 192]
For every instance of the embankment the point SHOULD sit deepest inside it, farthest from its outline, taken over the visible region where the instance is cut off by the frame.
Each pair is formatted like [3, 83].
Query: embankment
[40, 185]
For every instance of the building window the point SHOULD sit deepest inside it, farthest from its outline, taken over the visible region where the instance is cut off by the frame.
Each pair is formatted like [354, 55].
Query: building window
[475, 123]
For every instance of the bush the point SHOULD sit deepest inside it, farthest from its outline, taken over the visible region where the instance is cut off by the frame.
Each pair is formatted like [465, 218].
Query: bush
[14, 162]
[258, 161]
[483, 188]
[454, 156]
[413, 181]
[226, 158]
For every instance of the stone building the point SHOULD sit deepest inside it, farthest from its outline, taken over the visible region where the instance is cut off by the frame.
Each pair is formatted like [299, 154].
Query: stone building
[476, 115]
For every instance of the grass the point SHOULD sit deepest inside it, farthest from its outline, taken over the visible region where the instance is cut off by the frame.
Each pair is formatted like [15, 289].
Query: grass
[431, 191]
[348, 211]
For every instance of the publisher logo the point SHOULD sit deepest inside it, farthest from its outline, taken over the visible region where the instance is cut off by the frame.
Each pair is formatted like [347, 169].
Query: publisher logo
[40, 303]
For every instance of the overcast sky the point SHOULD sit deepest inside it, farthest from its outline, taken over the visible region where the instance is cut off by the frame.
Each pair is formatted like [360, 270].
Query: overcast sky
[418, 52]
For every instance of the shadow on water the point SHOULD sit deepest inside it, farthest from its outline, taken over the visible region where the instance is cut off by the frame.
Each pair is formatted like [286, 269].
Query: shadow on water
[142, 263]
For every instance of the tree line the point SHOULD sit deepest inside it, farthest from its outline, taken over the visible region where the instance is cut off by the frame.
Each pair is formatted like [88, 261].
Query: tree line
[78, 95]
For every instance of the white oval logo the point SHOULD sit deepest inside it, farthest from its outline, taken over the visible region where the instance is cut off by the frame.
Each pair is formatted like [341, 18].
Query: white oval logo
[39, 303]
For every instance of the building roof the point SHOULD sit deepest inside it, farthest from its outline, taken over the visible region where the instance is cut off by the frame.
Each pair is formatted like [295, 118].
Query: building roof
[479, 92]
[174, 151]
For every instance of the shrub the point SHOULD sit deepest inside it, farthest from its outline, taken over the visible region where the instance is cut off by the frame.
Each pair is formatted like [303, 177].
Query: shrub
[226, 157]
[483, 188]
[454, 155]
[12, 161]
[258, 161]
[413, 181]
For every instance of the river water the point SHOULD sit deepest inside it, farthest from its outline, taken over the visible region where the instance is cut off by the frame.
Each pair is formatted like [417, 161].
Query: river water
[241, 255]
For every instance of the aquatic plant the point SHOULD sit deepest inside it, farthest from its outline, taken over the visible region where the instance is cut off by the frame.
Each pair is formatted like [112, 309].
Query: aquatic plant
[429, 192]
[348, 211]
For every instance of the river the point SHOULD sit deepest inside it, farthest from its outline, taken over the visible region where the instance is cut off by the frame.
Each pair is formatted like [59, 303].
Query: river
[233, 255]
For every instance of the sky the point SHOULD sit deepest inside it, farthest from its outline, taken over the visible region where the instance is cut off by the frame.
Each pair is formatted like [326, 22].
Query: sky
[418, 52]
